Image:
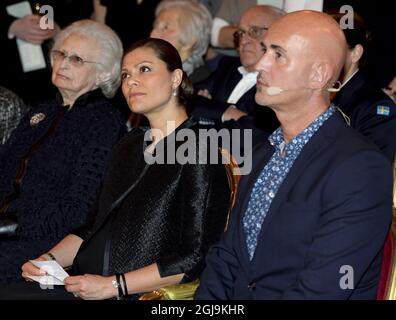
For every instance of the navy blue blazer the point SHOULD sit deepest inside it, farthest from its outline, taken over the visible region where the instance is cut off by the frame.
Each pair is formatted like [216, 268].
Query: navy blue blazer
[363, 103]
[220, 85]
[333, 210]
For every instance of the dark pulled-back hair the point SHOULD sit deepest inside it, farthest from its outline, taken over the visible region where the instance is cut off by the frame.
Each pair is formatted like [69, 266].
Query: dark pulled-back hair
[170, 56]
[359, 34]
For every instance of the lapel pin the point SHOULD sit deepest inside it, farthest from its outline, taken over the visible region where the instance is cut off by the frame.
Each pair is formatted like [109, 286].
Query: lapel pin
[37, 118]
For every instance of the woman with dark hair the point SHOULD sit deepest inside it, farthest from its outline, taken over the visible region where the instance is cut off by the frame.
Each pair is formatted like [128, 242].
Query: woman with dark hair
[154, 222]
[370, 110]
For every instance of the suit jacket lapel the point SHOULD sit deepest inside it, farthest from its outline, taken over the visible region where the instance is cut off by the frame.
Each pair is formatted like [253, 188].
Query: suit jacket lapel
[318, 144]
[261, 155]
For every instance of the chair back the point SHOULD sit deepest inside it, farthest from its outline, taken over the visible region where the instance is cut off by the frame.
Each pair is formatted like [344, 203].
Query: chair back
[387, 284]
[186, 291]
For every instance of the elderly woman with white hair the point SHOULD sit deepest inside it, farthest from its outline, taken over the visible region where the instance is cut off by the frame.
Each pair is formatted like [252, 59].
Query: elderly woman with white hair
[52, 165]
[186, 25]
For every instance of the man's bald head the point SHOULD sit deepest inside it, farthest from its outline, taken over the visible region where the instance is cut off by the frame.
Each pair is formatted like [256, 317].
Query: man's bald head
[319, 35]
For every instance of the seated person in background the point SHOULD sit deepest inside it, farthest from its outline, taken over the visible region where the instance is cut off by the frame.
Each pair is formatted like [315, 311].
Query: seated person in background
[225, 21]
[169, 214]
[34, 85]
[370, 110]
[307, 223]
[12, 109]
[186, 25]
[52, 165]
[228, 94]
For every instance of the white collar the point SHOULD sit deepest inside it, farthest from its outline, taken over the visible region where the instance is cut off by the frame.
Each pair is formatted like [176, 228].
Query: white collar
[349, 78]
[242, 70]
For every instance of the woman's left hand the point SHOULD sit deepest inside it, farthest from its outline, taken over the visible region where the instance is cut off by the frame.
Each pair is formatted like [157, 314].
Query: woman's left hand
[91, 287]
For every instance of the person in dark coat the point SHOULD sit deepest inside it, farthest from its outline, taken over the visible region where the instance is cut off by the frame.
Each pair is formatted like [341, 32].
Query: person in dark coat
[34, 85]
[370, 110]
[186, 25]
[154, 220]
[52, 166]
[226, 98]
[311, 219]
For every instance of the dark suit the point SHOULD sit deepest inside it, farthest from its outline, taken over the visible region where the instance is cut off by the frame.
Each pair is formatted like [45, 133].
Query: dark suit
[220, 85]
[360, 102]
[333, 209]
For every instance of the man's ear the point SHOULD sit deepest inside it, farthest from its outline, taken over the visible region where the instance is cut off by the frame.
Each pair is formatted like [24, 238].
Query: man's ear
[177, 77]
[357, 53]
[320, 75]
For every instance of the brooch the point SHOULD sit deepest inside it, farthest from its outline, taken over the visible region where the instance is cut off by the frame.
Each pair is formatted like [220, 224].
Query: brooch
[36, 118]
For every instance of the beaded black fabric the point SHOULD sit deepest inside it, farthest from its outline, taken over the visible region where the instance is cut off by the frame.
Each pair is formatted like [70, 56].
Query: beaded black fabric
[63, 175]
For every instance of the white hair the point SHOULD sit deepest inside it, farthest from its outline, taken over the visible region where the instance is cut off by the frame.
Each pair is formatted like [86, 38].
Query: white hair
[195, 23]
[110, 48]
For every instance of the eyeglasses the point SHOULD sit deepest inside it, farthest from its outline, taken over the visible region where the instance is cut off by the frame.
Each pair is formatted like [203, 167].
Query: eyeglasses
[73, 59]
[253, 32]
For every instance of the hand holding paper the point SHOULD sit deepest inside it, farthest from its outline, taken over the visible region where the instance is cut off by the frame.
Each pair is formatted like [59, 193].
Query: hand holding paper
[55, 273]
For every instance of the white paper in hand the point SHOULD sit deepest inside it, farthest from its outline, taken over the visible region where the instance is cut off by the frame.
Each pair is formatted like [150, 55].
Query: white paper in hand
[55, 273]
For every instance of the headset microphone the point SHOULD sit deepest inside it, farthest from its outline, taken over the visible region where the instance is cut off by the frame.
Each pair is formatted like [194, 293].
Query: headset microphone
[273, 91]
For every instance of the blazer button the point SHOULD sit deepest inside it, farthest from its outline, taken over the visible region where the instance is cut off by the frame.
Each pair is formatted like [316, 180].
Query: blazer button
[252, 286]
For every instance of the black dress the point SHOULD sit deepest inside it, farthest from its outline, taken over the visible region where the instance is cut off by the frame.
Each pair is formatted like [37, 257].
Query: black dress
[171, 217]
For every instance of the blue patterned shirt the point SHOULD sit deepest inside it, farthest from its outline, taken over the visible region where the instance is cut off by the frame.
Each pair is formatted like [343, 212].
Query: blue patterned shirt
[272, 176]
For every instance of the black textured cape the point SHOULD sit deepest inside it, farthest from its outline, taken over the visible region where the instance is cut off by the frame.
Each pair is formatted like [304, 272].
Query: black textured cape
[171, 217]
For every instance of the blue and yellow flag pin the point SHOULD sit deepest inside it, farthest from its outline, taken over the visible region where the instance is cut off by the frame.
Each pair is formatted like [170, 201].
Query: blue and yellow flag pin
[383, 110]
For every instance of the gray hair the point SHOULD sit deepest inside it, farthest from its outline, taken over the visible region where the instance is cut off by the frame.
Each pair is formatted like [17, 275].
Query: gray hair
[195, 23]
[111, 51]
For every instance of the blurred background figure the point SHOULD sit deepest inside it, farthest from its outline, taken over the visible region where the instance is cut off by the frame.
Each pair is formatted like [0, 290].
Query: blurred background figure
[12, 109]
[370, 110]
[16, 23]
[226, 98]
[225, 22]
[380, 65]
[52, 165]
[186, 25]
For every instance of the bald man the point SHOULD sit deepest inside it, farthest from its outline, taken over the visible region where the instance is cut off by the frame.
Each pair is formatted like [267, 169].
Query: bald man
[226, 98]
[311, 218]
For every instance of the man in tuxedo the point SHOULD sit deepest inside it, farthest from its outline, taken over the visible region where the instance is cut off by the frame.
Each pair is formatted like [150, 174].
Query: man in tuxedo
[227, 96]
[311, 218]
